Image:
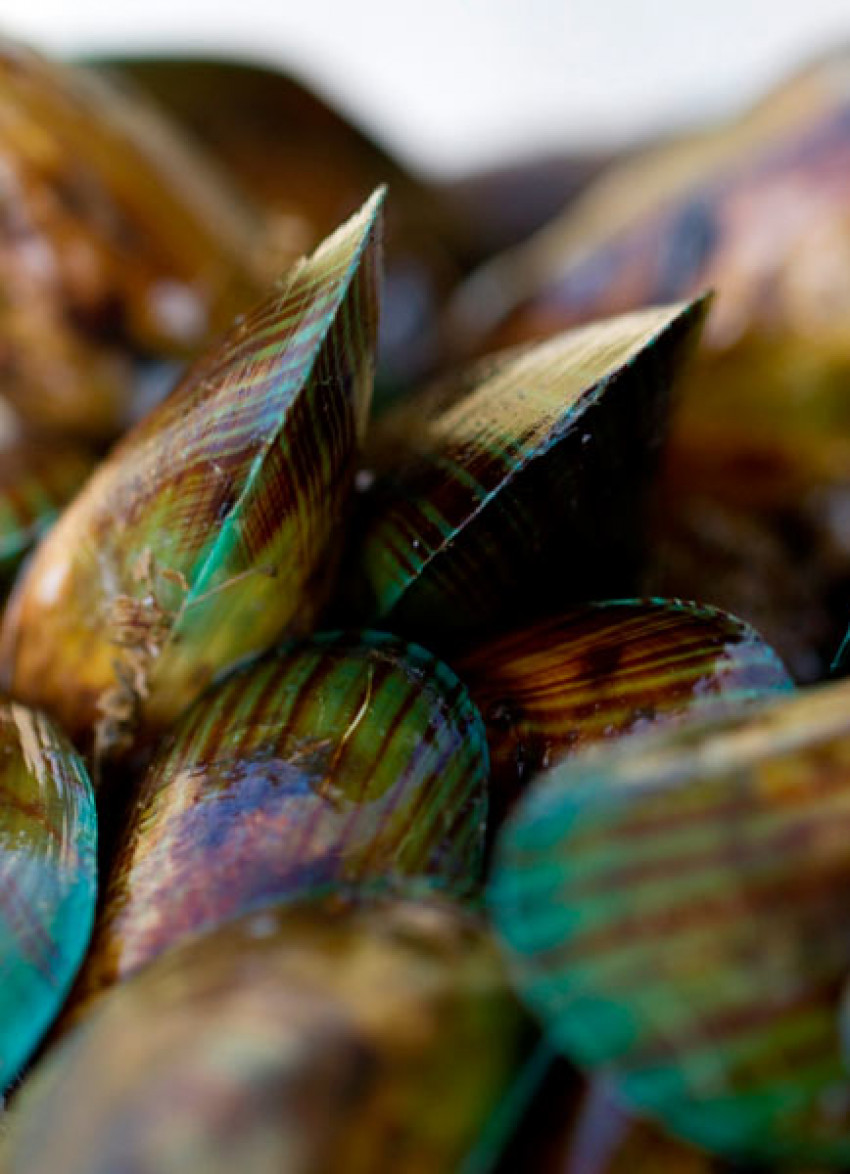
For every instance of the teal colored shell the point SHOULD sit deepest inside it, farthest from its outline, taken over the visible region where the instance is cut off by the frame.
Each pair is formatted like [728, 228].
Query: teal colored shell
[676, 913]
[48, 835]
[350, 760]
[521, 482]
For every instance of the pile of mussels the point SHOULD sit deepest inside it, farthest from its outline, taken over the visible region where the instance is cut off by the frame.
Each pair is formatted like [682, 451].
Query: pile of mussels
[404, 785]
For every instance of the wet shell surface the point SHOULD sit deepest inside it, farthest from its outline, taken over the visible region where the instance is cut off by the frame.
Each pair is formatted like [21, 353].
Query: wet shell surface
[456, 535]
[210, 531]
[343, 761]
[363, 1038]
[48, 879]
[607, 671]
[676, 913]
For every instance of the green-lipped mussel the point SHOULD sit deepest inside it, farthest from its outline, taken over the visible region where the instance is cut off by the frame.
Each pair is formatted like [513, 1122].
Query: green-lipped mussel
[48, 879]
[606, 671]
[363, 1037]
[675, 913]
[211, 530]
[342, 761]
[455, 536]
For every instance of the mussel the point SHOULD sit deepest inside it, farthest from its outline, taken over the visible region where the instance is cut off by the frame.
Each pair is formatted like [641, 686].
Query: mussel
[675, 912]
[342, 761]
[48, 878]
[211, 530]
[606, 671]
[355, 1036]
[520, 481]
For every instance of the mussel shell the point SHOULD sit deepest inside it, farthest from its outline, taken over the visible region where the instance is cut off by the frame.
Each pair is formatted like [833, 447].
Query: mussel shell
[520, 481]
[119, 240]
[676, 913]
[343, 761]
[363, 1038]
[48, 835]
[37, 479]
[607, 671]
[210, 531]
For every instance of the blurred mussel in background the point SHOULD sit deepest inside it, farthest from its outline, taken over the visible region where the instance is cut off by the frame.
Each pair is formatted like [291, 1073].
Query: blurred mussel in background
[122, 247]
[753, 511]
[306, 167]
[361, 1035]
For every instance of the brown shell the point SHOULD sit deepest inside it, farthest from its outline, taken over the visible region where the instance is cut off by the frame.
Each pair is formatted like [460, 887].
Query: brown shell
[117, 240]
[606, 671]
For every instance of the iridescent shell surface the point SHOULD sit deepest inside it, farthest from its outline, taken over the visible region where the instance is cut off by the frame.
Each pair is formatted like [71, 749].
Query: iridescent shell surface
[607, 671]
[342, 761]
[676, 913]
[212, 529]
[369, 1038]
[48, 878]
[520, 480]
[120, 240]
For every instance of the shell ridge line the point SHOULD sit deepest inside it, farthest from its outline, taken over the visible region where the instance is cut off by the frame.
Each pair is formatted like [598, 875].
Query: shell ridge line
[228, 538]
[695, 310]
[560, 429]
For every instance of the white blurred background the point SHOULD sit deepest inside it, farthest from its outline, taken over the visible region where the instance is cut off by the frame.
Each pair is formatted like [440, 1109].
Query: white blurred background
[454, 84]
